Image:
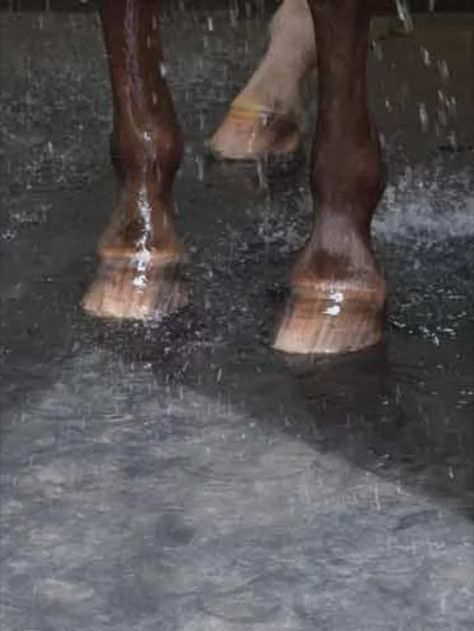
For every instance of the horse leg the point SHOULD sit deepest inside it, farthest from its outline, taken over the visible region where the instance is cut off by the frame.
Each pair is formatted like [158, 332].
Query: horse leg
[266, 115]
[141, 257]
[338, 293]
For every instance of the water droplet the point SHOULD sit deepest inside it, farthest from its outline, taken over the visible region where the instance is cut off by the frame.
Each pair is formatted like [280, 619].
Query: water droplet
[404, 15]
[443, 69]
[425, 56]
[333, 310]
[377, 50]
[423, 114]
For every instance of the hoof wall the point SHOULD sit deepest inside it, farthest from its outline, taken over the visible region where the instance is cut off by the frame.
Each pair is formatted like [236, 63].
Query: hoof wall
[317, 324]
[121, 291]
[252, 134]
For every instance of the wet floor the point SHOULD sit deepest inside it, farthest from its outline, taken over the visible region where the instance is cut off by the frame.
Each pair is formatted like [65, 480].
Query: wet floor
[184, 477]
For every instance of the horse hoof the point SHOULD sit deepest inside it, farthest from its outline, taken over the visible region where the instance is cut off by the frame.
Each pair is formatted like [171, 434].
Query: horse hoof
[252, 134]
[121, 291]
[337, 320]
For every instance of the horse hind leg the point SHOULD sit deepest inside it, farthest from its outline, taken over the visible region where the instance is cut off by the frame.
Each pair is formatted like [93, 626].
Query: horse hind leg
[266, 117]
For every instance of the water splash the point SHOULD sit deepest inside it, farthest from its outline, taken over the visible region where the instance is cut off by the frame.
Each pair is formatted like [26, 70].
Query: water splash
[446, 103]
[143, 256]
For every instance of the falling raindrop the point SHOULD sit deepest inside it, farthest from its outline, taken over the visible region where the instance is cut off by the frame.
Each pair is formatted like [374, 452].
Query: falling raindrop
[452, 139]
[377, 50]
[442, 118]
[261, 177]
[443, 69]
[200, 167]
[423, 114]
[201, 120]
[425, 56]
[404, 15]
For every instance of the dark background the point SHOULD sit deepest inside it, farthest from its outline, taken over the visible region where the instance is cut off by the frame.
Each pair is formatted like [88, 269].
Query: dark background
[87, 5]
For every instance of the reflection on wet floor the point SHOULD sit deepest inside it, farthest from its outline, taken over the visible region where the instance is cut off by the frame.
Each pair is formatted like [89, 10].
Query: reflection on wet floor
[184, 476]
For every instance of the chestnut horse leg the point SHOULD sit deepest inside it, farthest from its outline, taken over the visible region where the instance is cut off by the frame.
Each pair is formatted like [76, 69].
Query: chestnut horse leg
[141, 258]
[338, 293]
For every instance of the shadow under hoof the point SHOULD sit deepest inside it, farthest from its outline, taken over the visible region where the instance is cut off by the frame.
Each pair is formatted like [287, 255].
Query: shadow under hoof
[123, 292]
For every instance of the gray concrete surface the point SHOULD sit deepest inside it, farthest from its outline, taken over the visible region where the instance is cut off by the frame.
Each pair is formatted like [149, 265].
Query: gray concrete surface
[184, 477]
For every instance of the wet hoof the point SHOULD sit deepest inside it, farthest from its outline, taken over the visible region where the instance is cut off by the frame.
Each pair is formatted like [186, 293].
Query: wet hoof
[123, 291]
[335, 319]
[252, 134]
